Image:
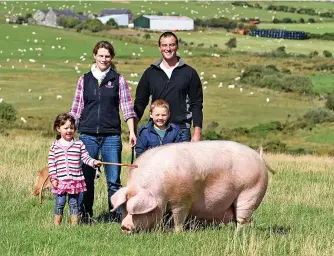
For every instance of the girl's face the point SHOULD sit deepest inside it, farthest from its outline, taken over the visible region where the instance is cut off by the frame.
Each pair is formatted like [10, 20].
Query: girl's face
[160, 117]
[66, 130]
[103, 59]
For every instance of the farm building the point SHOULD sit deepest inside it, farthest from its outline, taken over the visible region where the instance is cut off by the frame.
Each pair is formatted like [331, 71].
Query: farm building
[122, 16]
[162, 23]
[51, 17]
[121, 20]
[277, 33]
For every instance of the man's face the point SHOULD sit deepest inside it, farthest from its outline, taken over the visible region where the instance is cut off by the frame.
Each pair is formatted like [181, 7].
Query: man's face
[168, 47]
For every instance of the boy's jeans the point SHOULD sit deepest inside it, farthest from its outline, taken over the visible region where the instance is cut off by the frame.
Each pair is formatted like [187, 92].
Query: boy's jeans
[110, 148]
[72, 202]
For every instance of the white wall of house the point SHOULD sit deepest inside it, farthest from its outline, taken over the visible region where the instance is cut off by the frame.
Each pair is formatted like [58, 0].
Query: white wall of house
[171, 24]
[50, 19]
[121, 19]
[39, 16]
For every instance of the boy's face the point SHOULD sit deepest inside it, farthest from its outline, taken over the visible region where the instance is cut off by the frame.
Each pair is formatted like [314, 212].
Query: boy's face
[160, 117]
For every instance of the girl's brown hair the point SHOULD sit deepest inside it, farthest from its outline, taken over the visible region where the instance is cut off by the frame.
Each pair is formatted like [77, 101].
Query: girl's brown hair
[61, 119]
[159, 103]
[106, 45]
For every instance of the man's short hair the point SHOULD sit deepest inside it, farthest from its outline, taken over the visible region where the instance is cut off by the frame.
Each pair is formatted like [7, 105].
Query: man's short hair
[169, 34]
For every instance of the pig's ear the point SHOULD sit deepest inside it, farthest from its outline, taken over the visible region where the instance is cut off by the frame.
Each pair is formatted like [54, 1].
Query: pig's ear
[141, 203]
[119, 198]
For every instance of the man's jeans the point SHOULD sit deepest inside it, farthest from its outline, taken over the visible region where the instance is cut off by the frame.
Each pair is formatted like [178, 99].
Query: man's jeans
[110, 148]
[185, 134]
[72, 202]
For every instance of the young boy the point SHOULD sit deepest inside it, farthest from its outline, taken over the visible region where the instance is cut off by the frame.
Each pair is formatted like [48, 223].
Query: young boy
[159, 131]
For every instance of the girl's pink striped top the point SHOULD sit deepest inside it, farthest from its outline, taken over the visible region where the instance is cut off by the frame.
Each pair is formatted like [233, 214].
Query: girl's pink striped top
[64, 166]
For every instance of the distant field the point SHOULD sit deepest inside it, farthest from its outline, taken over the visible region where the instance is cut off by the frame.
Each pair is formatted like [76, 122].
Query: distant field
[15, 38]
[323, 83]
[252, 44]
[316, 28]
[320, 6]
[192, 9]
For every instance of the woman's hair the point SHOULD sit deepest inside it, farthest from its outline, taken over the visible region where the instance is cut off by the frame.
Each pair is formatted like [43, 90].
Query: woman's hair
[106, 45]
[61, 119]
[159, 103]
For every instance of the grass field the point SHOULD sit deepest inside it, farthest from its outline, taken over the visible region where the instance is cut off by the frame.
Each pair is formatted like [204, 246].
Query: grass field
[192, 9]
[295, 218]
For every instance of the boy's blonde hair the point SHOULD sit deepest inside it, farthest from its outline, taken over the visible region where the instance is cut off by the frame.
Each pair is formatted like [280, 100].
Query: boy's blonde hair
[159, 103]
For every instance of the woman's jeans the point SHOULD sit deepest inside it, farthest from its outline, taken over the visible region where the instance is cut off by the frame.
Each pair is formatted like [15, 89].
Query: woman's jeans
[110, 147]
[72, 202]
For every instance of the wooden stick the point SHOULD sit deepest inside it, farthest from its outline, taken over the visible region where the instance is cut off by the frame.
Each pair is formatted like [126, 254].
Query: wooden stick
[128, 165]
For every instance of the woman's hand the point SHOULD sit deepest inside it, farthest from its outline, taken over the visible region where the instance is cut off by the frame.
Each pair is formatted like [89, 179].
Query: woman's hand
[132, 139]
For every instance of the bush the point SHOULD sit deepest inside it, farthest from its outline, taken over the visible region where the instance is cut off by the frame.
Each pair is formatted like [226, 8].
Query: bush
[297, 84]
[68, 22]
[232, 43]
[313, 54]
[275, 146]
[111, 22]
[319, 115]
[327, 54]
[91, 25]
[147, 36]
[7, 112]
[330, 101]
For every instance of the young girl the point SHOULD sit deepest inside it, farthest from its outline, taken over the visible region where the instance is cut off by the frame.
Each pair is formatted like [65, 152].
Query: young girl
[65, 169]
[159, 131]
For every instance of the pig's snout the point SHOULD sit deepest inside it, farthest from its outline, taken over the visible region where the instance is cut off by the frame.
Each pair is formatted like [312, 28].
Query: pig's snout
[126, 230]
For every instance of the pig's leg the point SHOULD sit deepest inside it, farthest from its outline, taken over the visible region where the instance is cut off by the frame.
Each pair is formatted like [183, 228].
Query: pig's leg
[180, 215]
[246, 203]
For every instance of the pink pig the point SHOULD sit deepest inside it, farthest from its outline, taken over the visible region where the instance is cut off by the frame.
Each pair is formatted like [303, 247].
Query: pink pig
[216, 181]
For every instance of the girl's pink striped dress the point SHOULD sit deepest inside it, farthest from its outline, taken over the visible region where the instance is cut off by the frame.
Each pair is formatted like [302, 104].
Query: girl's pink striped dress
[64, 166]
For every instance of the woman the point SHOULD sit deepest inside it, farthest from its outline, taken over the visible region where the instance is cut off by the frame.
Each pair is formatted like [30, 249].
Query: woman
[98, 95]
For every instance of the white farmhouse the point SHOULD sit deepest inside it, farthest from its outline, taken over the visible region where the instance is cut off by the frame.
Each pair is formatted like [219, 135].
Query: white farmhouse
[121, 16]
[164, 23]
[121, 19]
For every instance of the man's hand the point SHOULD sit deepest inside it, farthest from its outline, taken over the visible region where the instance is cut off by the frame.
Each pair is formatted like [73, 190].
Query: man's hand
[197, 134]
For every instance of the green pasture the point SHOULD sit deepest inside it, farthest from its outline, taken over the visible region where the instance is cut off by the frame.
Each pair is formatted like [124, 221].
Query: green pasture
[193, 9]
[228, 107]
[318, 6]
[295, 217]
[252, 44]
[315, 28]
[71, 46]
[323, 83]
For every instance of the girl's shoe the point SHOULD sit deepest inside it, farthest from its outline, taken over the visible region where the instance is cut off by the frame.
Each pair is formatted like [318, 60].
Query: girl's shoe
[57, 220]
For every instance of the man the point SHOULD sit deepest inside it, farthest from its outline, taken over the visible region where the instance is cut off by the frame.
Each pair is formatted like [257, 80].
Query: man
[172, 80]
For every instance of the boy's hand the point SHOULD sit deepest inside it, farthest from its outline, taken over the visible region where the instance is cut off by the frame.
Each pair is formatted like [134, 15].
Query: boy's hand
[55, 183]
[97, 163]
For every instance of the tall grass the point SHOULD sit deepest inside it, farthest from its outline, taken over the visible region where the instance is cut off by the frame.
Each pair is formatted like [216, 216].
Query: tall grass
[295, 218]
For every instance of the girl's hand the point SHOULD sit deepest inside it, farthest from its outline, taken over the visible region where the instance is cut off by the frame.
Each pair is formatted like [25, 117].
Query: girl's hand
[97, 163]
[55, 183]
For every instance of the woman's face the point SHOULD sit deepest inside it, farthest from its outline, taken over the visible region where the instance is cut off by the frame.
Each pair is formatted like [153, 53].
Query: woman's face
[103, 59]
